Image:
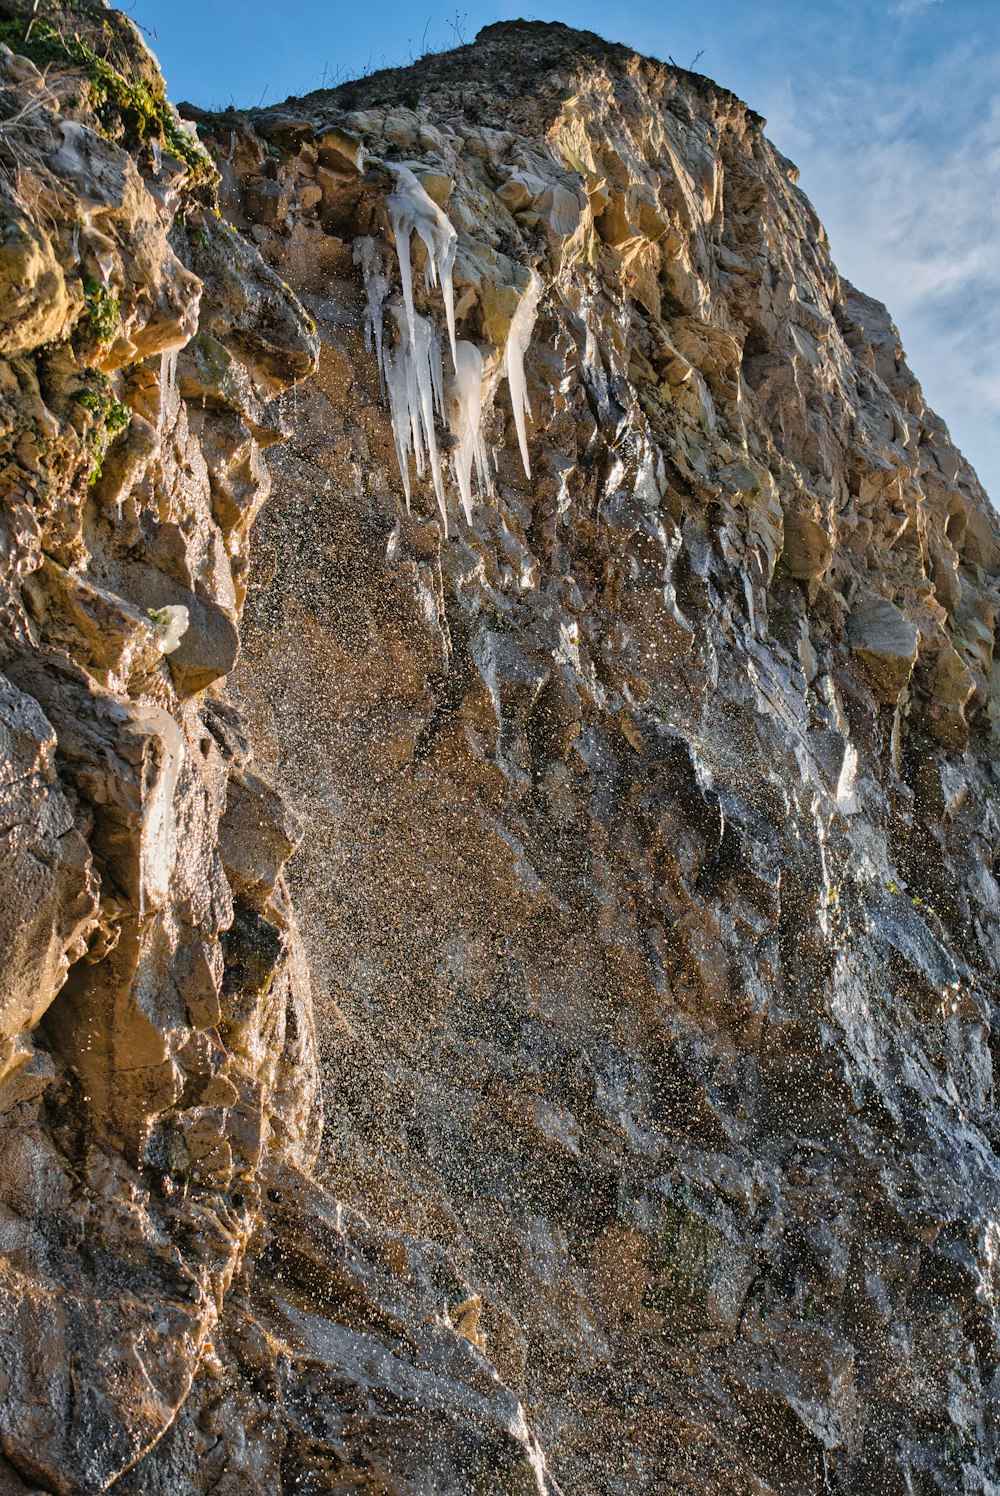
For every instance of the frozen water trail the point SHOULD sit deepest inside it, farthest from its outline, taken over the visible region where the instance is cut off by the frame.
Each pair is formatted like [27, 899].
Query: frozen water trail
[522, 325]
[159, 830]
[168, 386]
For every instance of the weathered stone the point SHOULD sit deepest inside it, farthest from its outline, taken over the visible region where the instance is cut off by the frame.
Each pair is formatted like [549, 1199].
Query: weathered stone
[34, 303]
[654, 971]
[630, 867]
[266, 202]
[885, 641]
[339, 149]
[257, 835]
[52, 895]
[807, 548]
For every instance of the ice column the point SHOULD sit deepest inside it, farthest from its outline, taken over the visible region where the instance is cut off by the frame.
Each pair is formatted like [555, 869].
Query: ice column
[465, 421]
[522, 325]
[413, 381]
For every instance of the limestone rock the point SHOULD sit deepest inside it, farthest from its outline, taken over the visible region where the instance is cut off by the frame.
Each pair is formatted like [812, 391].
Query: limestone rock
[498, 1008]
[34, 304]
[47, 864]
[639, 959]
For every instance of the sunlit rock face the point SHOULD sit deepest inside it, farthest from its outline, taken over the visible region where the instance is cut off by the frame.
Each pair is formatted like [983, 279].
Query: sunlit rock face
[176, 1290]
[616, 650]
[650, 817]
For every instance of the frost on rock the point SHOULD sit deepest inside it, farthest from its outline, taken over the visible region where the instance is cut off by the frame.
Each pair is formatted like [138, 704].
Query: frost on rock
[412, 211]
[159, 832]
[465, 416]
[518, 338]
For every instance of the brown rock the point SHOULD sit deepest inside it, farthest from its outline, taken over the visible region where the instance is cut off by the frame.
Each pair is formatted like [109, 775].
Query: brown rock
[654, 971]
[885, 642]
[807, 548]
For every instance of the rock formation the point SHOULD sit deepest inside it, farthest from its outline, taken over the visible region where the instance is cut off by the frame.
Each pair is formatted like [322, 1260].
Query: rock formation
[646, 806]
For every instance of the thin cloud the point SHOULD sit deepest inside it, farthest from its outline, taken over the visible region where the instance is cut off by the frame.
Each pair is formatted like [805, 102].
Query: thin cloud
[911, 7]
[908, 186]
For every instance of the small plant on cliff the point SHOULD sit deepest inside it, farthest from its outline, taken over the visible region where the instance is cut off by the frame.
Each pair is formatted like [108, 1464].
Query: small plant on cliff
[111, 417]
[103, 309]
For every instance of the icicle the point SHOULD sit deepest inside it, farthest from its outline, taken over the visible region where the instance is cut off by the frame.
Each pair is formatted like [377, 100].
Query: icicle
[399, 413]
[157, 155]
[413, 381]
[411, 371]
[522, 326]
[370, 255]
[168, 386]
[232, 147]
[159, 831]
[411, 210]
[464, 420]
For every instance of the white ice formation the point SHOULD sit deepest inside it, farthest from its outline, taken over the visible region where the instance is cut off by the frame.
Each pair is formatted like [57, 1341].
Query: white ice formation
[411, 372]
[412, 211]
[370, 255]
[168, 387]
[171, 624]
[522, 325]
[465, 418]
[413, 380]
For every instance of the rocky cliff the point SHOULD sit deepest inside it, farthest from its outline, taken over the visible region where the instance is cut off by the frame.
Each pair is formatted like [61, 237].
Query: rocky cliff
[617, 650]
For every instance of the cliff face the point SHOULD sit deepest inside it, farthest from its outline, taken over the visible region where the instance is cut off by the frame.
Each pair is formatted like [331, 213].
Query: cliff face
[647, 803]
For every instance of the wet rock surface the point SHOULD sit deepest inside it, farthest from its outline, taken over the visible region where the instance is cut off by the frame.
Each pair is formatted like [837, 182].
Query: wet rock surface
[645, 809]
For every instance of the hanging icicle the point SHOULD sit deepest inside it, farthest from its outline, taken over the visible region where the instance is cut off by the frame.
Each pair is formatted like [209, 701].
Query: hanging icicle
[518, 339]
[413, 381]
[411, 372]
[412, 211]
[371, 256]
[465, 416]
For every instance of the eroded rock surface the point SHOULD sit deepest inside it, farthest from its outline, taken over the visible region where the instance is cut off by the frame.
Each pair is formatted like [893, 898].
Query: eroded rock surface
[650, 818]
[645, 808]
[159, 1110]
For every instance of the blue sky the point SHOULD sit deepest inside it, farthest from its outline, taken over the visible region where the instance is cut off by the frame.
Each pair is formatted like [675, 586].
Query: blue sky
[891, 109]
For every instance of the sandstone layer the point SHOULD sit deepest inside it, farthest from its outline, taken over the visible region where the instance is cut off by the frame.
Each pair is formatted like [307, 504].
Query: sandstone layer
[646, 807]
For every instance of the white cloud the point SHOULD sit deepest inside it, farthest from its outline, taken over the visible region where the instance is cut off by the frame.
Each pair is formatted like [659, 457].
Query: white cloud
[906, 177]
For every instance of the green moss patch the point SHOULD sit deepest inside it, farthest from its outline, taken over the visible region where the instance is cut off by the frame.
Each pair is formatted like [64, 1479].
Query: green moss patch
[129, 106]
[111, 417]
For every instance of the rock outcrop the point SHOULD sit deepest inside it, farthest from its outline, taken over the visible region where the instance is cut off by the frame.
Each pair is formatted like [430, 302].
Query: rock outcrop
[645, 806]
